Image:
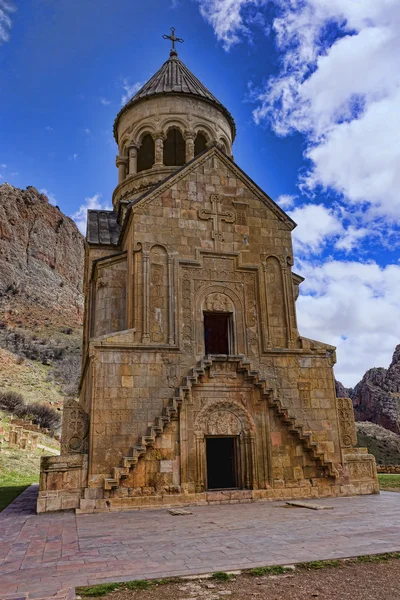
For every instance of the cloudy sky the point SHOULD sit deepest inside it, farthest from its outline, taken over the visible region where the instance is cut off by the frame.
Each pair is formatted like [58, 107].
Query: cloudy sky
[314, 86]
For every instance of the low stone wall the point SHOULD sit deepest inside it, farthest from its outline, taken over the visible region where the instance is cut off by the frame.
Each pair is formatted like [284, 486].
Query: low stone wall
[389, 469]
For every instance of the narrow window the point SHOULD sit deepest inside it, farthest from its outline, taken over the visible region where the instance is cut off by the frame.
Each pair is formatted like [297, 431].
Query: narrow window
[145, 159]
[174, 149]
[217, 333]
[200, 144]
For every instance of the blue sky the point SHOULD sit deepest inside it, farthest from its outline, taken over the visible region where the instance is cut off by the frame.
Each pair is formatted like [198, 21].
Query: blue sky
[314, 87]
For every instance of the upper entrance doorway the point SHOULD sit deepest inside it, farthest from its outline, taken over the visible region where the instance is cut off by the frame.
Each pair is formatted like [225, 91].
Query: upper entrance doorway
[221, 463]
[217, 333]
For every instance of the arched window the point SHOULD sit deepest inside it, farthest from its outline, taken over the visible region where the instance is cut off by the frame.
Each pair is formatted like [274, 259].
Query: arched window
[200, 143]
[174, 149]
[145, 158]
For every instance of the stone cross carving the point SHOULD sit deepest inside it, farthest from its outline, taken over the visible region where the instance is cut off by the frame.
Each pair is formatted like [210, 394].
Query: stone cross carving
[217, 217]
[173, 39]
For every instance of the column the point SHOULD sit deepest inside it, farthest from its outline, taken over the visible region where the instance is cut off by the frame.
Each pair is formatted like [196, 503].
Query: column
[189, 139]
[121, 162]
[146, 291]
[133, 150]
[171, 297]
[159, 138]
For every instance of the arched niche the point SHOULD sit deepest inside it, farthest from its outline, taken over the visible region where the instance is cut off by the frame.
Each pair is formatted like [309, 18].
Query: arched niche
[276, 306]
[200, 143]
[220, 299]
[174, 151]
[222, 420]
[158, 295]
[146, 153]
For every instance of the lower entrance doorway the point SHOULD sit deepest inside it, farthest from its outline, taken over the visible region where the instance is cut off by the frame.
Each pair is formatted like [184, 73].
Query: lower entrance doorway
[221, 463]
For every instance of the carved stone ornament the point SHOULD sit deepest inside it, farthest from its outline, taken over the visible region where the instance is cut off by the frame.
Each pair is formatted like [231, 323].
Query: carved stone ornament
[347, 426]
[360, 469]
[224, 370]
[75, 429]
[218, 303]
[223, 417]
[223, 422]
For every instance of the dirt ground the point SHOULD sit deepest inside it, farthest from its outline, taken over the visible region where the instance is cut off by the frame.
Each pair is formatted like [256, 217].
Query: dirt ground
[350, 580]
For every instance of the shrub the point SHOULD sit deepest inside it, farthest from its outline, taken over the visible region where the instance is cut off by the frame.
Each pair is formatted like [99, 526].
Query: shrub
[13, 402]
[43, 415]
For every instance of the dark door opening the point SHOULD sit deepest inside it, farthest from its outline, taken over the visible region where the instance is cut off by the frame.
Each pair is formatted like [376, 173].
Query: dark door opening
[221, 462]
[217, 333]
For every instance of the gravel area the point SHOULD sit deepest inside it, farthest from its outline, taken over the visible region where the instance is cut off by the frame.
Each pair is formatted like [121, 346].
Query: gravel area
[350, 580]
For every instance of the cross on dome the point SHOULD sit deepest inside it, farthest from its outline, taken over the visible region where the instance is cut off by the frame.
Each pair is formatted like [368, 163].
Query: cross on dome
[173, 39]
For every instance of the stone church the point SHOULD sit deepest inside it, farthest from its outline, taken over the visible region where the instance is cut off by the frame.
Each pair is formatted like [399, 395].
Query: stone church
[196, 385]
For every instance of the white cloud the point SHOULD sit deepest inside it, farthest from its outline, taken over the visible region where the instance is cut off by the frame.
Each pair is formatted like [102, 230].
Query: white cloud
[73, 157]
[91, 203]
[130, 90]
[286, 201]
[6, 8]
[105, 102]
[3, 166]
[343, 96]
[48, 128]
[86, 131]
[316, 225]
[228, 20]
[352, 306]
[51, 198]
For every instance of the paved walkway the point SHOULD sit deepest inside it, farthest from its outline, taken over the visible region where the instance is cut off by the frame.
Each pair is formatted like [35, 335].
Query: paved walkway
[40, 555]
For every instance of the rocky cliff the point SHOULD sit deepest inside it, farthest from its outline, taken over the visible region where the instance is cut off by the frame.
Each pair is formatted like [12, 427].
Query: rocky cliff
[377, 397]
[41, 262]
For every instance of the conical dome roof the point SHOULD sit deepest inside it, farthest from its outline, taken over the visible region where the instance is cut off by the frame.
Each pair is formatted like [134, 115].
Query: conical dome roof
[175, 78]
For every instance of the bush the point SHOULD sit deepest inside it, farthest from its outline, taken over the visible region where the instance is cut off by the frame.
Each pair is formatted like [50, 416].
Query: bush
[43, 415]
[13, 402]
[40, 414]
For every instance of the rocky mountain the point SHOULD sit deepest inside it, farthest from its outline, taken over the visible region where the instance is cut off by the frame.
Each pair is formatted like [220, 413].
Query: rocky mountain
[377, 397]
[41, 262]
[41, 299]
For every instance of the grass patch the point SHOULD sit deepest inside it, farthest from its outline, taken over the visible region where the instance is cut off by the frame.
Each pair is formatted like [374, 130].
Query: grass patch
[221, 576]
[9, 492]
[102, 589]
[377, 558]
[274, 570]
[319, 564]
[389, 481]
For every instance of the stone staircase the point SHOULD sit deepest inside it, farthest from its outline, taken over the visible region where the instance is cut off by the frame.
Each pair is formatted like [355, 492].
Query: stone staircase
[171, 413]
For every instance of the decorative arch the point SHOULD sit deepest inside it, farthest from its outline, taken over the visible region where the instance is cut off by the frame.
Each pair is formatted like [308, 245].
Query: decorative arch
[276, 302]
[200, 143]
[223, 142]
[146, 153]
[227, 418]
[207, 424]
[140, 131]
[221, 296]
[174, 151]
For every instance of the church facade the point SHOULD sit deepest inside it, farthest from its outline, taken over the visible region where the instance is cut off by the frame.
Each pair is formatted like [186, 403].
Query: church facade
[196, 385]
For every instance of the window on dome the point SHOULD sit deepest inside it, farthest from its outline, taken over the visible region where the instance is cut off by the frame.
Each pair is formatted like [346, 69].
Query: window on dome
[174, 149]
[200, 144]
[145, 157]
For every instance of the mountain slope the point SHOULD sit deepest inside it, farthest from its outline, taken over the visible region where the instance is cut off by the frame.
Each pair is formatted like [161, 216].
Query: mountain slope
[41, 299]
[41, 261]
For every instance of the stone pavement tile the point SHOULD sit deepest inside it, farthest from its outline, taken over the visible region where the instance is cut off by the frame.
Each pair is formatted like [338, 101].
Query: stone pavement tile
[55, 551]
